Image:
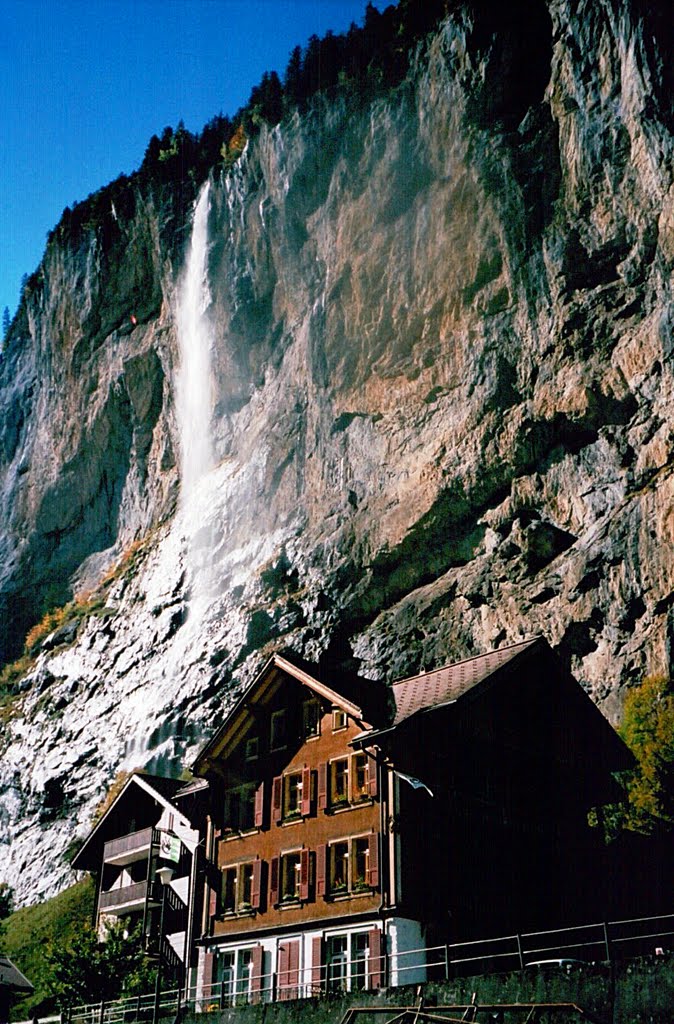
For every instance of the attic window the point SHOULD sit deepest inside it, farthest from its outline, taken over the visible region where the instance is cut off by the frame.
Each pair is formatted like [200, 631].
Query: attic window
[252, 748]
[339, 719]
[277, 739]
[311, 718]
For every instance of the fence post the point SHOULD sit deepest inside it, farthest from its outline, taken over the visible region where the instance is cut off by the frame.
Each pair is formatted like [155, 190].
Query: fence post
[607, 944]
[519, 950]
[101, 1012]
[447, 962]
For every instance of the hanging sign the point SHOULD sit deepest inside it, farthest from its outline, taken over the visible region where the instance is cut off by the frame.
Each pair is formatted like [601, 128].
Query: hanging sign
[169, 847]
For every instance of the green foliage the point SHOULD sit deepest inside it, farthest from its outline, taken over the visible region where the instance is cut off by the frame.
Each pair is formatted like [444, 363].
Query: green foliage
[27, 935]
[87, 970]
[6, 900]
[648, 730]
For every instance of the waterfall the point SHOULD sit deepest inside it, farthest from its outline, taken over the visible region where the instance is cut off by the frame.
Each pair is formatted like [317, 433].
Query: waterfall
[194, 383]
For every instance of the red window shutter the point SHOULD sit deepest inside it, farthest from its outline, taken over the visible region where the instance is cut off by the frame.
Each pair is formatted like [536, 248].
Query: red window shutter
[316, 965]
[259, 805]
[282, 971]
[256, 888]
[294, 968]
[372, 778]
[213, 902]
[373, 860]
[304, 874]
[277, 798]
[274, 881]
[321, 869]
[375, 964]
[207, 983]
[305, 806]
[322, 786]
[256, 979]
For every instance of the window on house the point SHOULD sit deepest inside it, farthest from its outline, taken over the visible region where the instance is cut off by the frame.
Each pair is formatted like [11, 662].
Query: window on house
[290, 877]
[244, 970]
[224, 974]
[339, 719]
[347, 962]
[278, 732]
[359, 951]
[229, 890]
[360, 777]
[292, 805]
[339, 868]
[245, 900]
[240, 808]
[337, 963]
[252, 748]
[339, 781]
[361, 863]
[311, 718]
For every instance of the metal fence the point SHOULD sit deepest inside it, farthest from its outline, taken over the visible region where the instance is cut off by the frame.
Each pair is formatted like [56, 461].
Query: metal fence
[602, 942]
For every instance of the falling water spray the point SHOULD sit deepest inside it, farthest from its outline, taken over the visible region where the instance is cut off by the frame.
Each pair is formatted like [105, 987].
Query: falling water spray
[194, 408]
[194, 383]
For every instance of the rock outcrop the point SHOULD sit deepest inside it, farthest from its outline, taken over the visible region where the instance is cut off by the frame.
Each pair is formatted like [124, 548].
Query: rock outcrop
[442, 353]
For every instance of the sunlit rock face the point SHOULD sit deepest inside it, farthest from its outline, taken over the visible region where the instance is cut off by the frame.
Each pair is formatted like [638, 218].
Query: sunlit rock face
[440, 391]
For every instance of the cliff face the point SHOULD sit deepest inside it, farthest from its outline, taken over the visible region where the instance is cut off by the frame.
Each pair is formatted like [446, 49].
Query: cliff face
[441, 351]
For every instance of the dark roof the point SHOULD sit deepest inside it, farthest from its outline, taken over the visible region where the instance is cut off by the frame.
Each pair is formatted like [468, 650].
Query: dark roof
[191, 787]
[161, 789]
[12, 978]
[447, 684]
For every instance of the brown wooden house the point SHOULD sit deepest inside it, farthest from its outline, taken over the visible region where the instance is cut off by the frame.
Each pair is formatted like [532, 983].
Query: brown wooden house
[351, 825]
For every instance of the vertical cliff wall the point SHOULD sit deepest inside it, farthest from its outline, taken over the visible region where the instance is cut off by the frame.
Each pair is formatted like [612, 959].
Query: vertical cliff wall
[442, 374]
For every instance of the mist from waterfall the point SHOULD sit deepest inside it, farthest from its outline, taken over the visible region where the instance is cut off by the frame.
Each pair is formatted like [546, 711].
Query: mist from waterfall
[194, 382]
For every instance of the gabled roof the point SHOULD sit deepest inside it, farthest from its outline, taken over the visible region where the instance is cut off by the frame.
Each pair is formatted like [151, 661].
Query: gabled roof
[12, 978]
[160, 789]
[447, 684]
[363, 699]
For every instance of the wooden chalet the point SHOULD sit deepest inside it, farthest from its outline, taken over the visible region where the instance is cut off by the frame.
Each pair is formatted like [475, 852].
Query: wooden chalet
[146, 826]
[352, 824]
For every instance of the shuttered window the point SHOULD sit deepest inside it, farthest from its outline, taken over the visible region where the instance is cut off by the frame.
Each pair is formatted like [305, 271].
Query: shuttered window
[375, 959]
[257, 981]
[277, 799]
[321, 869]
[274, 873]
[259, 806]
[322, 786]
[373, 867]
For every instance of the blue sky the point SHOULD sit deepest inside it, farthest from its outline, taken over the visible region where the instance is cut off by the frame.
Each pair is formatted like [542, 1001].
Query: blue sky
[85, 83]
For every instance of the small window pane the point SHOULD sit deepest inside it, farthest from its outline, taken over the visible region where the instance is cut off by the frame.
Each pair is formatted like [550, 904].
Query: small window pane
[277, 738]
[311, 718]
[339, 789]
[339, 719]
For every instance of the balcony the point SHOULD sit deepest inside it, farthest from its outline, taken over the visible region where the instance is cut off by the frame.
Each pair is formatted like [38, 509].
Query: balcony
[130, 848]
[124, 899]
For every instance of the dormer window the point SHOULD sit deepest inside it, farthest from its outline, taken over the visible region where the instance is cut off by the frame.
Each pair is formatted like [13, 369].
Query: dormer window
[278, 731]
[311, 718]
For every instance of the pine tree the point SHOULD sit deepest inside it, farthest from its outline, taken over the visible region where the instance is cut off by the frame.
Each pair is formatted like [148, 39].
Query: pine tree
[6, 321]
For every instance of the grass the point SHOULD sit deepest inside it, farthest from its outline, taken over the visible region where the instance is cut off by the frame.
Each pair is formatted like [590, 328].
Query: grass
[28, 934]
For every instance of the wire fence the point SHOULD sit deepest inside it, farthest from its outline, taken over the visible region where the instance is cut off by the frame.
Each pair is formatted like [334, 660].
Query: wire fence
[602, 942]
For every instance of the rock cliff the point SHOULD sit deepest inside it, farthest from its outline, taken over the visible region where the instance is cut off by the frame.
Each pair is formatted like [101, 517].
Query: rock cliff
[442, 377]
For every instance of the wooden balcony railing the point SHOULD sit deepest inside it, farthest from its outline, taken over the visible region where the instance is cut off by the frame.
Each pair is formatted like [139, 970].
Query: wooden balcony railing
[128, 844]
[127, 895]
